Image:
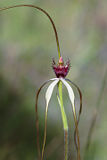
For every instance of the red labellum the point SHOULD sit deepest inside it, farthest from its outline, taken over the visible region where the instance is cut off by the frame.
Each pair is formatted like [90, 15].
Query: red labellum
[60, 69]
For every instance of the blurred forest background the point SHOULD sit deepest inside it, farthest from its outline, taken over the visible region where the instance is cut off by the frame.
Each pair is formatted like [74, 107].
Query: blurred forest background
[27, 46]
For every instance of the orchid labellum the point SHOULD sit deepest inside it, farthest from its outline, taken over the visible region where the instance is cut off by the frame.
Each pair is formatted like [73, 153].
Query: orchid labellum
[61, 70]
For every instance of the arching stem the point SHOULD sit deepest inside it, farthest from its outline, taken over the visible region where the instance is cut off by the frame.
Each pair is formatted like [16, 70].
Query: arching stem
[64, 119]
[42, 10]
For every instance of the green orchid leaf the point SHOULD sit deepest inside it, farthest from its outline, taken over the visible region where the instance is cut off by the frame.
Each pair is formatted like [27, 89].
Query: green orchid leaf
[48, 96]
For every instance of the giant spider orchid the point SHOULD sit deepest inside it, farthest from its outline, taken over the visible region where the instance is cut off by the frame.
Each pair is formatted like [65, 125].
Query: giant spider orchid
[61, 70]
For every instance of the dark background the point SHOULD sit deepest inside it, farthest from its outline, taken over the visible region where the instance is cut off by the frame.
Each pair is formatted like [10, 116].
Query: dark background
[27, 46]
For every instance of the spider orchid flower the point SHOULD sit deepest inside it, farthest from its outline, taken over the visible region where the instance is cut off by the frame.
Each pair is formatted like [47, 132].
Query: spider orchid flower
[61, 70]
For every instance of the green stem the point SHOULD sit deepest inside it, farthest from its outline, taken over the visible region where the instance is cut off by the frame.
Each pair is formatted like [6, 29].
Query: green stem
[64, 119]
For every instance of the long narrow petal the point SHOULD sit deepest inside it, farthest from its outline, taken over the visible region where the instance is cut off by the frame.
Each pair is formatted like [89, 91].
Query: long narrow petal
[71, 96]
[80, 108]
[50, 91]
[70, 92]
[36, 110]
[80, 95]
[48, 97]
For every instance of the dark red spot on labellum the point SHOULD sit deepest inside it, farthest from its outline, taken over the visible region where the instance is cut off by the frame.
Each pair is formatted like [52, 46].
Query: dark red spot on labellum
[60, 69]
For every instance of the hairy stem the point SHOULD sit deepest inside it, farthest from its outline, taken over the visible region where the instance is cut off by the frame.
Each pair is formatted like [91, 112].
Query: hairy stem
[64, 119]
[42, 10]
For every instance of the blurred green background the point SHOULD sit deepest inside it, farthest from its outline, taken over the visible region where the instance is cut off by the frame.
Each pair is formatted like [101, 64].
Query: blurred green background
[27, 46]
